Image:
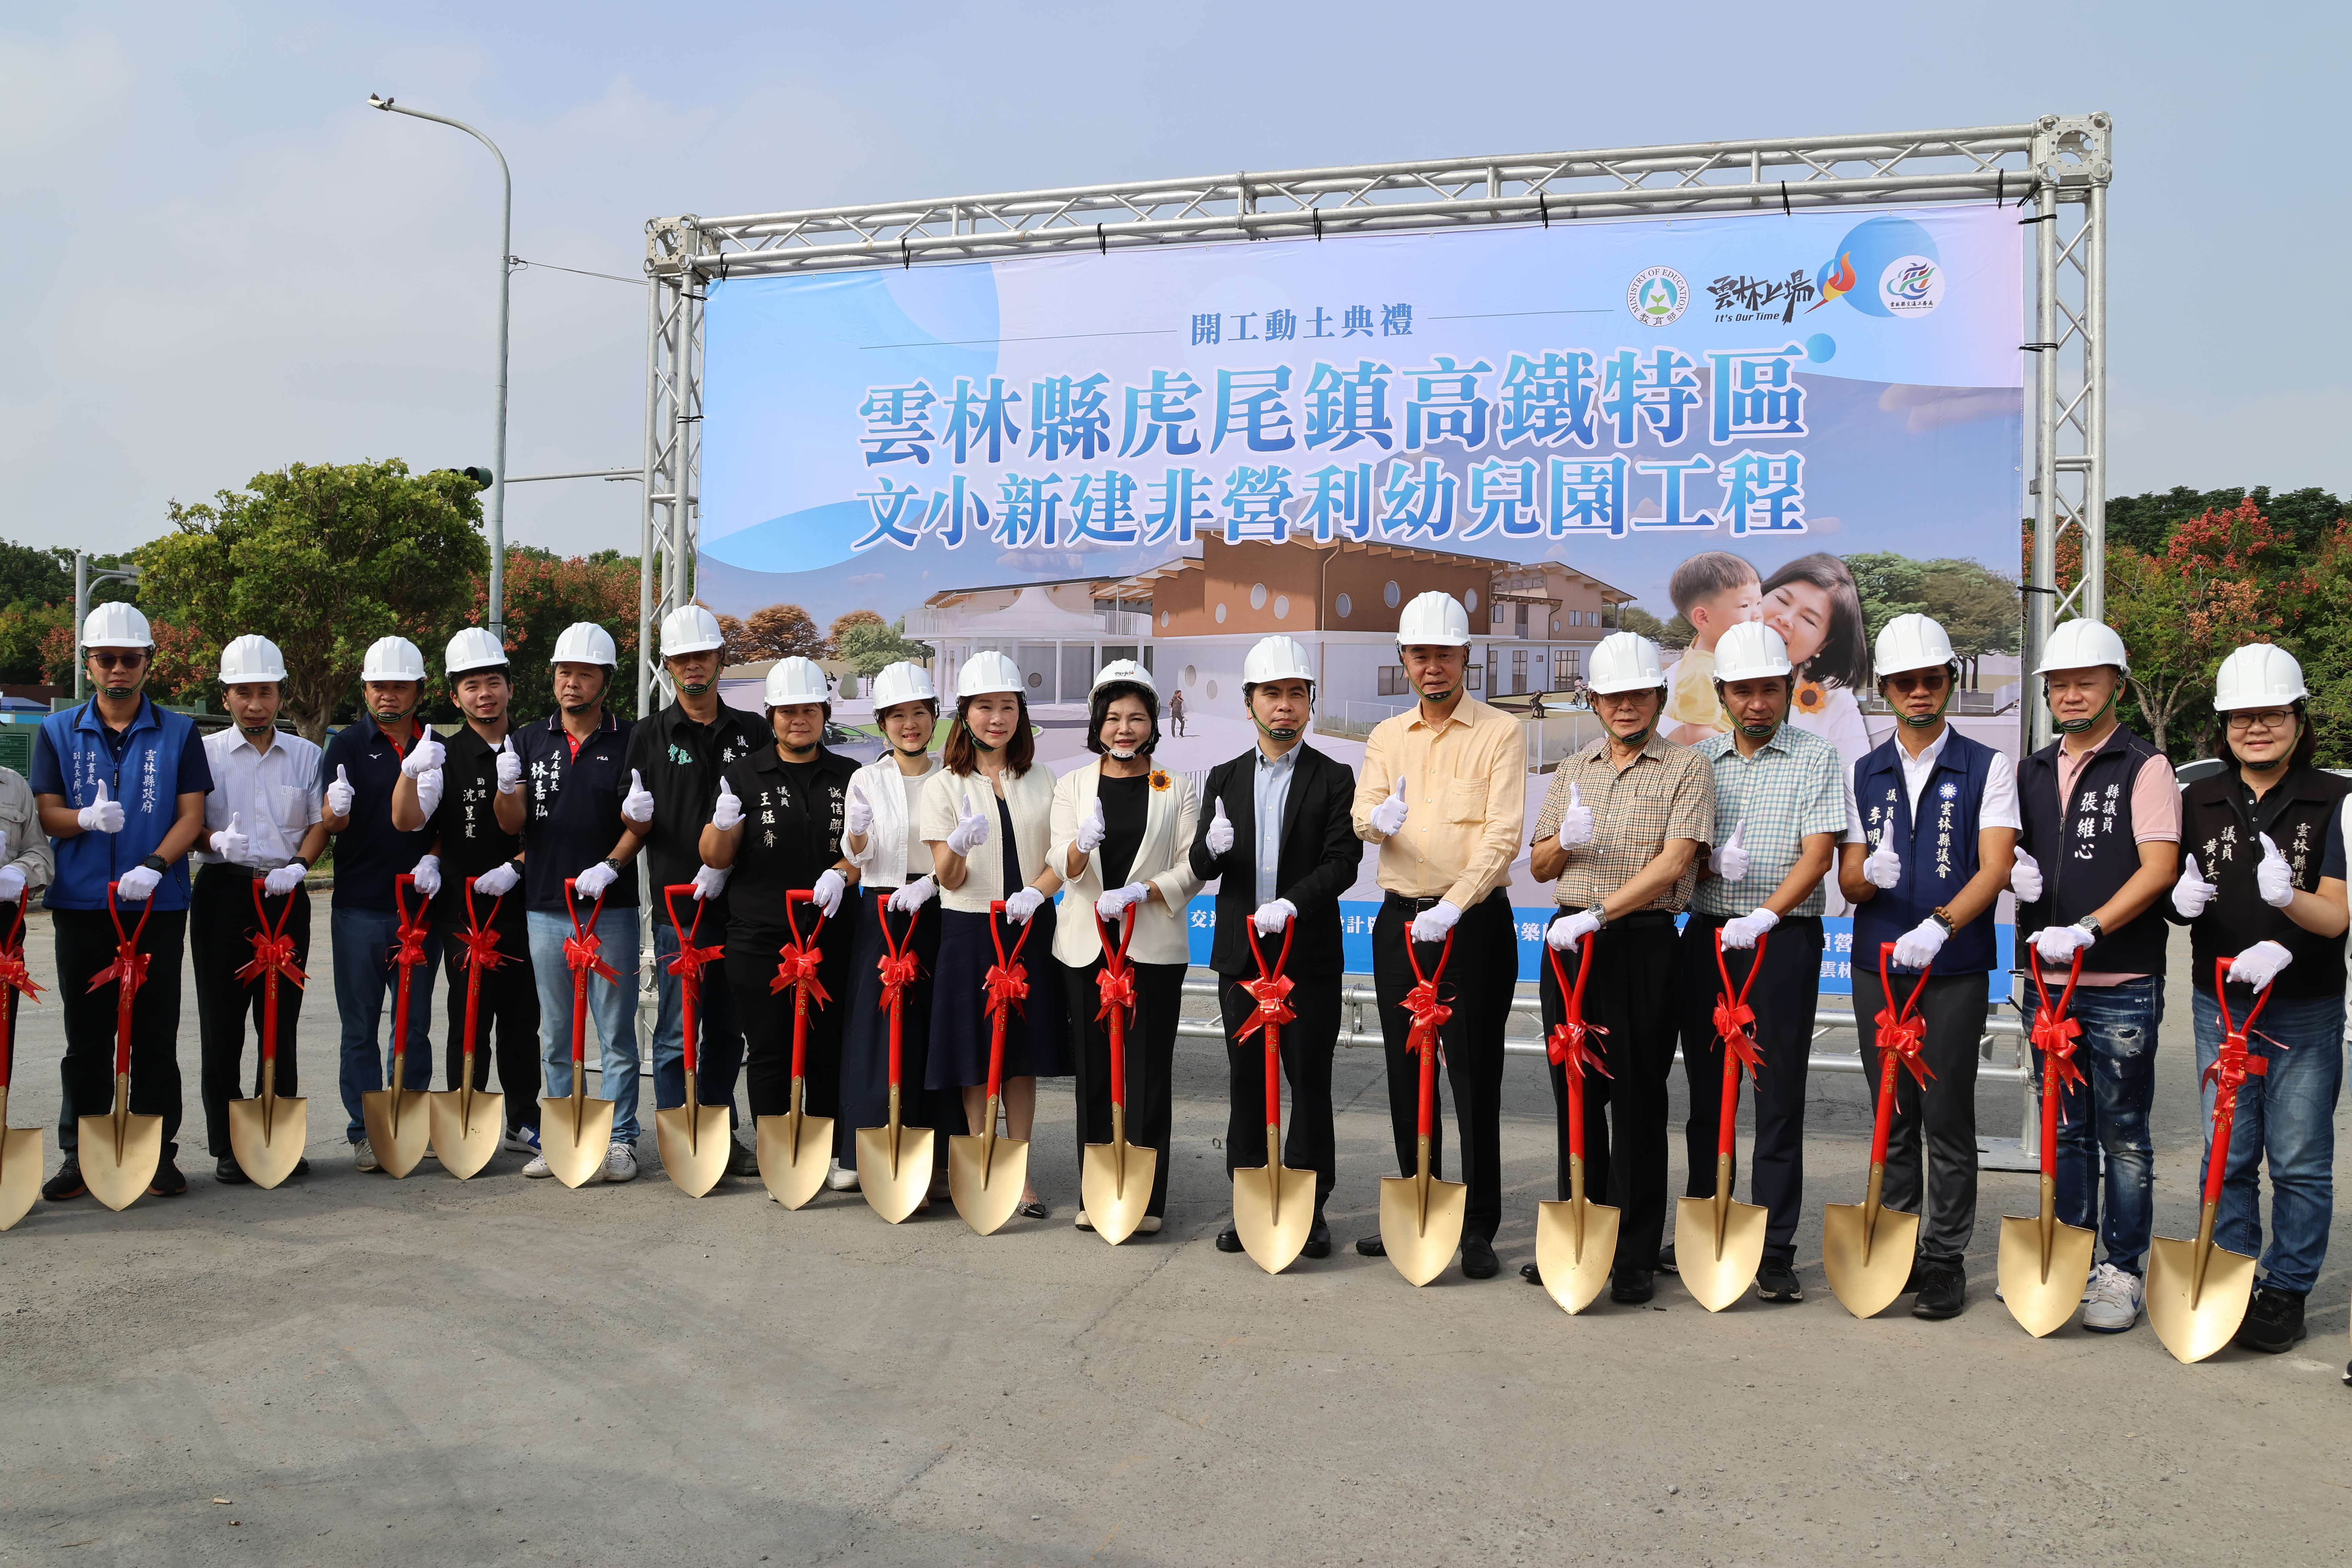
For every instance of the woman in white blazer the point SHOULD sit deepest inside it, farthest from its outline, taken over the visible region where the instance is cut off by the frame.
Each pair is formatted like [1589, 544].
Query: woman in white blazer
[1122, 837]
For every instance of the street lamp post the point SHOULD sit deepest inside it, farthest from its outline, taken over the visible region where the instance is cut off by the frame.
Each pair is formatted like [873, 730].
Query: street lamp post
[84, 580]
[498, 439]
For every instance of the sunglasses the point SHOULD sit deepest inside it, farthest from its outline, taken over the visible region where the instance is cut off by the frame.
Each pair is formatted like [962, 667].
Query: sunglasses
[105, 661]
[1918, 680]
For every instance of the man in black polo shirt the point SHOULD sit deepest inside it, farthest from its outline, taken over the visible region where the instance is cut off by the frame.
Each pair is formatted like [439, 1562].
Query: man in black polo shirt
[469, 842]
[567, 810]
[676, 758]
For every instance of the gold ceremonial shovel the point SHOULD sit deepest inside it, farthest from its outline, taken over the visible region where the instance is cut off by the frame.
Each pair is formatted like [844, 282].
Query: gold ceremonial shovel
[267, 1134]
[893, 1162]
[575, 1133]
[1115, 1178]
[465, 1120]
[1576, 1241]
[694, 1138]
[20, 1147]
[2044, 1265]
[1274, 1207]
[2197, 1292]
[1719, 1243]
[399, 1123]
[1421, 1217]
[1868, 1251]
[797, 1148]
[984, 1179]
[119, 1151]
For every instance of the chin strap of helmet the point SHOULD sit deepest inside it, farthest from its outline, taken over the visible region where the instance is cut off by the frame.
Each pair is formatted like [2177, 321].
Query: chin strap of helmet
[2076, 726]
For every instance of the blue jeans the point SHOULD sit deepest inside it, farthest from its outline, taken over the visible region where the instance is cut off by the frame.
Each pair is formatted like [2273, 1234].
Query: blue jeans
[611, 1003]
[718, 1052]
[2103, 1120]
[364, 978]
[2287, 1116]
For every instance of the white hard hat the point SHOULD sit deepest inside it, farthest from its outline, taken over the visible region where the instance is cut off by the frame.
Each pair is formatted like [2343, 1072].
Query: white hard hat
[393, 659]
[796, 680]
[584, 642]
[1749, 650]
[905, 681]
[1434, 618]
[116, 625]
[1122, 671]
[1912, 642]
[987, 672]
[2080, 645]
[251, 657]
[2258, 675]
[472, 649]
[1625, 661]
[1276, 659]
[690, 629]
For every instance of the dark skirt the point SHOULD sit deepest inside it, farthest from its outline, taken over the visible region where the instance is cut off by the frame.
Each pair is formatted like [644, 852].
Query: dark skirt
[866, 1035]
[1036, 1043]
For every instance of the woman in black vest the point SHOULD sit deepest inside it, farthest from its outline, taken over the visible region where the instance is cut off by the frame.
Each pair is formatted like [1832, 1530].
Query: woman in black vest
[2262, 891]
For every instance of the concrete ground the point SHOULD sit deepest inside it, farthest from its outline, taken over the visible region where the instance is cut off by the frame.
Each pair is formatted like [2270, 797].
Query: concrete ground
[356, 1370]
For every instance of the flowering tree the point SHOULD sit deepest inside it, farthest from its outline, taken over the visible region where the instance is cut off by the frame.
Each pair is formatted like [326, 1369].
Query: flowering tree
[2213, 588]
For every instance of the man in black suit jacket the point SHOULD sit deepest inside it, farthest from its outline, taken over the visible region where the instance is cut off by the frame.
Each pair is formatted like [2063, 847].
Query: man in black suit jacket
[1285, 794]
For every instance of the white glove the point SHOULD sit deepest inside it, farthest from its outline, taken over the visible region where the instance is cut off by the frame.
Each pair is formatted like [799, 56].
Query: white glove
[1023, 904]
[428, 876]
[510, 768]
[1576, 822]
[913, 896]
[425, 756]
[969, 834]
[591, 883]
[1730, 861]
[498, 881]
[1561, 936]
[1433, 923]
[2025, 880]
[2192, 892]
[1884, 866]
[1273, 915]
[858, 816]
[228, 843]
[1917, 948]
[138, 884]
[2259, 964]
[2273, 878]
[428, 792]
[637, 805]
[1091, 829]
[1387, 816]
[726, 812]
[12, 884]
[339, 793]
[1221, 830]
[284, 880]
[1742, 931]
[2059, 944]
[102, 815]
[1116, 902]
[828, 890]
[709, 881]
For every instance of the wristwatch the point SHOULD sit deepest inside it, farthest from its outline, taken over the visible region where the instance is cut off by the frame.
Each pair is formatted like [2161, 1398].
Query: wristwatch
[156, 864]
[2090, 924]
[1942, 916]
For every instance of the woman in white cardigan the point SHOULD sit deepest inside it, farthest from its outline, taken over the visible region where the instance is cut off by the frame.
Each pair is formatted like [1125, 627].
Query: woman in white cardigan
[1122, 837]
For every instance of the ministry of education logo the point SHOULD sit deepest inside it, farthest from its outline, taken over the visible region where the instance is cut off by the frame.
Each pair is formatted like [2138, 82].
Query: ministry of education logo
[1911, 284]
[1657, 296]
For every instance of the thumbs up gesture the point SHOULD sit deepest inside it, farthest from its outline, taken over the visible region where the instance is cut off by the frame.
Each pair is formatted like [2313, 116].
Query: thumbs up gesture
[1388, 818]
[637, 805]
[339, 793]
[2273, 878]
[228, 843]
[2025, 879]
[1729, 859]
[970, 832]
[2192, 892]
[427, 754]
[1221, 830]
[727, 811]
[1884, 868]
[1092, 829]
[101, 815]
[1576, 822]
[509, 767]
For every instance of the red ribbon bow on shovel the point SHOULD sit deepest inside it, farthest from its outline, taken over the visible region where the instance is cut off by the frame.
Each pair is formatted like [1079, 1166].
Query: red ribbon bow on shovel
[129, 965]
[899, 967]
[1901, 1030]
[2235, 1064]
[1429, 1013]
[1271, 989]
[799, 960]
[13, 975]
[690, 959]
[272, 948]
[1006, 984]
[1733, 1015]
[1569, 1044]
[2055, 1031]
[584, 948]
[477, 944]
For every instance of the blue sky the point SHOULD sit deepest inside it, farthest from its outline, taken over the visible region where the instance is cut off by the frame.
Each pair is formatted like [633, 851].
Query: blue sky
[223, 261]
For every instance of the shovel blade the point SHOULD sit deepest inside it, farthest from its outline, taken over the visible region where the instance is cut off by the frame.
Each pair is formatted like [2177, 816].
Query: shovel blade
[2042, 1305]
[1420, 1251]
[576, 1150]
[986, 1203]
[793, 1180]
[1718, 1279]
[1575, 1278]
[268, 1155]
[2192, 1333]
[1115, 1207]
[893, 1197]
[1273, 1244]
[1866, 1288]
[401, 1149]
[465, 1147]
[20, 1172]
[694, 1143]
[119, 1182]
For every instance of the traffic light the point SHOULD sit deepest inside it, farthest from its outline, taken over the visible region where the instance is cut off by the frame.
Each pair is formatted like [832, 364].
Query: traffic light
[480, 476]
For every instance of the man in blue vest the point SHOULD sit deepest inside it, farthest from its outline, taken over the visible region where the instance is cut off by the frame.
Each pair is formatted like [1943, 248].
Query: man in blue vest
[120, 784]
[1940, 823]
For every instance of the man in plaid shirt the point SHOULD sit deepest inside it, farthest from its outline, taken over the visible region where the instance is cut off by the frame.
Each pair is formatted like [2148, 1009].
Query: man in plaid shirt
[1779, 809]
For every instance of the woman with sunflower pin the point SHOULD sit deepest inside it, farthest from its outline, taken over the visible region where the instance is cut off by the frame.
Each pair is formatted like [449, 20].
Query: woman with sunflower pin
[1814, 605]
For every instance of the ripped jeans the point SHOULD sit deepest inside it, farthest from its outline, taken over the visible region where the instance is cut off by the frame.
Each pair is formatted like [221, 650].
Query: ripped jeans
[2103, 1125]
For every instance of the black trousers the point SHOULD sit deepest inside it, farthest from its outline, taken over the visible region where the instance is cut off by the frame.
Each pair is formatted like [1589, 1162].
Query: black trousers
[767, 1020]
[1480, 978]
[1944, 1115]
[1150, 1062]
[1784, 998]
[506, 1021]
[1633, 992]
[85, 945]
[1307, 1043]
[220, 942]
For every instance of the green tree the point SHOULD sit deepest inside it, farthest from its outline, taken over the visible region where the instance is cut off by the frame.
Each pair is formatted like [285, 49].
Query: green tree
[1890, 585]
[1634, 618]
[1977, 608]
[870, 645]
[544, 594]
[2215, 587]
[2146, 522]
[33, 577]
[323, 559]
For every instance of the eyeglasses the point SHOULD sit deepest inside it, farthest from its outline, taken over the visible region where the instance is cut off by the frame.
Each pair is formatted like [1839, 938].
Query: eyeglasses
[106, 660]
[1919, 681]
[2268, 718]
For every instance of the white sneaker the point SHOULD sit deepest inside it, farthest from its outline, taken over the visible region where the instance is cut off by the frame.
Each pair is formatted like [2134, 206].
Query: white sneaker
[537, 1167]
[364, 1156]
[840, 1181]
[1084, 1223]
[621, 1162]
[2111, 1304]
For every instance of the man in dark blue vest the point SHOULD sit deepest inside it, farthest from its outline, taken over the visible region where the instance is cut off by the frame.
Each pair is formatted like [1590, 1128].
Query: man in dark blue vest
[1939, 821]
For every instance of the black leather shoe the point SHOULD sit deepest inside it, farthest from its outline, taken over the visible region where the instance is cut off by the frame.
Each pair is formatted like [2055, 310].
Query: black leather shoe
[303, 1166]
[1632, 1286]
[1478, 1260]
[1777, 1281]
[1531, 1272]
[1371, 1247]
[229, 1174]
[167, 1181]
[65, 1183]
[1943, 1291]
[1318, 1242]
[1229, 1240]
[2273, 1322]
[1917, 1278]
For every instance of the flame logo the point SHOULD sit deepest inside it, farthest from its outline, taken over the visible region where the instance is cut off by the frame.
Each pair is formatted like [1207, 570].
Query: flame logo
[1834, 281]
